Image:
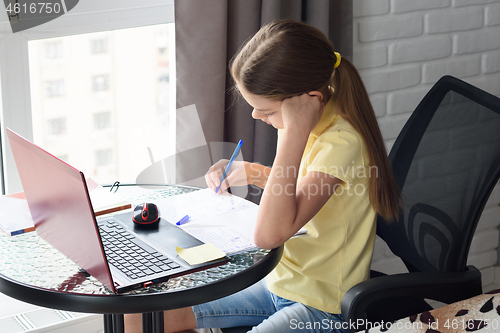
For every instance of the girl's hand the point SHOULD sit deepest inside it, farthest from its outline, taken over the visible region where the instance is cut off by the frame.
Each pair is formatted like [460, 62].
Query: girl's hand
[236, 176]
[302, 113]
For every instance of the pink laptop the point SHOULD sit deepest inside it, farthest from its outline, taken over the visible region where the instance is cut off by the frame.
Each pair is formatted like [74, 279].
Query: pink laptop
[110, 249]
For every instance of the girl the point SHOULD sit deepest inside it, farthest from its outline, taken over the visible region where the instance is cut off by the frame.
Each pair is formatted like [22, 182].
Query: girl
[331, 175]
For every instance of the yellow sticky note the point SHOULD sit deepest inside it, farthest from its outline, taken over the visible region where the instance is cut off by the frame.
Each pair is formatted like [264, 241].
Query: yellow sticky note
[200, 254]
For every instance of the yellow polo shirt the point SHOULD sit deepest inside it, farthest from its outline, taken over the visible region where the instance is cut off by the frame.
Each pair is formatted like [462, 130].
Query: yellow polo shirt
[318, 269]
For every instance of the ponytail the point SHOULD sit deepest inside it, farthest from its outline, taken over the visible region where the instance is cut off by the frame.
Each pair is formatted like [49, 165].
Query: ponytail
[353, 103]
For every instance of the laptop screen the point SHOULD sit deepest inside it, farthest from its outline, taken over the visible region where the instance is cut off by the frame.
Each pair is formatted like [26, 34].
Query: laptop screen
[60, 206]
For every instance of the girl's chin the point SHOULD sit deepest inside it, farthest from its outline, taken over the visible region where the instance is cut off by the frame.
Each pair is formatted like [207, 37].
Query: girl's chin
[274, 125]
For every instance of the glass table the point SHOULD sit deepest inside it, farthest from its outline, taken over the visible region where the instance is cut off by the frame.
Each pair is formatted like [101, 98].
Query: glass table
[31, 270]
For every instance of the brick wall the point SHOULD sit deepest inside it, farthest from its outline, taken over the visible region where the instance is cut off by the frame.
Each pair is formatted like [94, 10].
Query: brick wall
[401, 48]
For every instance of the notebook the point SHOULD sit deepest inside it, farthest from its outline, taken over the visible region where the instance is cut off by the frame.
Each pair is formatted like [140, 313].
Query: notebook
[120, 255]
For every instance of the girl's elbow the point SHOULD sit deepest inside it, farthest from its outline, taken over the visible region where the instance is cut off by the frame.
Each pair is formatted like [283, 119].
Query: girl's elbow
[268, 241]
[261, 244]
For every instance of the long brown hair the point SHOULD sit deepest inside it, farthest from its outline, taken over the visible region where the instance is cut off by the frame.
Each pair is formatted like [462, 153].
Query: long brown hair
[289, 58]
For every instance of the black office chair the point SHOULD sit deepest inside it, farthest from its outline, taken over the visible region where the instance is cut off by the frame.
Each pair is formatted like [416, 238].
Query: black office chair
[446, 161]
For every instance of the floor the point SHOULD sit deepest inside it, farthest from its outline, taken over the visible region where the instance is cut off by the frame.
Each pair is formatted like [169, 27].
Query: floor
[10, 306]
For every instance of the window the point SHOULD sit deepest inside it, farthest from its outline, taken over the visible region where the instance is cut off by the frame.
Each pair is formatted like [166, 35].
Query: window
[100, 83]
[56, 126]
[35, 96]
[54, 88]
[98, 46]
[165, 78]
[137, 96]
[102, 120]
[89, 75]
[53, 50]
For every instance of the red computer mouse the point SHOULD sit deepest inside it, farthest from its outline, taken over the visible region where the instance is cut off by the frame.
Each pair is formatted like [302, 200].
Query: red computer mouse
[146, 214]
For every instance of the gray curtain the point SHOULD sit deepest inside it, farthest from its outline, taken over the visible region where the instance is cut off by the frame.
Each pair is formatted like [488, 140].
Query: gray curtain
[210, 32]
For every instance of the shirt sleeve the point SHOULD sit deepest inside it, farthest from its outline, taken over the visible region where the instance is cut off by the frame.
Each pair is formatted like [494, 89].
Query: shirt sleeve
[337, 152]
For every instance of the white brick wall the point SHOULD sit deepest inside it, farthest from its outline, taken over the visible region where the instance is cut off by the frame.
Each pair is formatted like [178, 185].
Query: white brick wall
[401, 48]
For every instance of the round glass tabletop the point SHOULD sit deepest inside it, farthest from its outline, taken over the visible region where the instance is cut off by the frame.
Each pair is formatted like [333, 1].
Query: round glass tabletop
[30, 261]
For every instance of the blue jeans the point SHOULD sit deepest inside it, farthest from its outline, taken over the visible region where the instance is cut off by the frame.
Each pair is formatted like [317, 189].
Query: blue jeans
[256, 306]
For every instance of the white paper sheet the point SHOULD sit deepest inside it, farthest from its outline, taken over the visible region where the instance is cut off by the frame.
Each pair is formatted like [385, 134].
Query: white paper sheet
[225, 220]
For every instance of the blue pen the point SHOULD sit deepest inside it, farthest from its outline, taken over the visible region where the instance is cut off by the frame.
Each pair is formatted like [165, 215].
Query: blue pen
[224, 175]
[183, 220]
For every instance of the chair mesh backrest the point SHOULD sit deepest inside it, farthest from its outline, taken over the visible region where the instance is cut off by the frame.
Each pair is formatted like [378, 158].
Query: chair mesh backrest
[446, 161]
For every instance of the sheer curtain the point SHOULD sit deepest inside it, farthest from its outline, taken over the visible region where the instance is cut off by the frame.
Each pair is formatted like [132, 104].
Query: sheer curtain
[210, 32]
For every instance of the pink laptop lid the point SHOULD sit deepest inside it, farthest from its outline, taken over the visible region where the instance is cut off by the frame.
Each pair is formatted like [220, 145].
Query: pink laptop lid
[60, 206]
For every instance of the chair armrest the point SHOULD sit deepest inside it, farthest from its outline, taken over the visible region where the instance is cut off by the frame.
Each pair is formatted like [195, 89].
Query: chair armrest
[447, 287]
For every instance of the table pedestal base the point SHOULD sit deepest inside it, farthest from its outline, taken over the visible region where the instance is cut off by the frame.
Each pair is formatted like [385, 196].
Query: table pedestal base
[151, 323]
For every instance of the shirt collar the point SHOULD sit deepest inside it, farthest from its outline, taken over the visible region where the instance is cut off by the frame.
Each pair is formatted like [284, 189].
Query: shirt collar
[327, 118]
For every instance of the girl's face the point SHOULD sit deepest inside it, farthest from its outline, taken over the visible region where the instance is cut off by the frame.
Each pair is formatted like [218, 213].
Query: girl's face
[266, 109]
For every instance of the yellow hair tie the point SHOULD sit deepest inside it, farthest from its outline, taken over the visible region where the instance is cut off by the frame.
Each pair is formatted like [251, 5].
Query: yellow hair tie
[339, 57]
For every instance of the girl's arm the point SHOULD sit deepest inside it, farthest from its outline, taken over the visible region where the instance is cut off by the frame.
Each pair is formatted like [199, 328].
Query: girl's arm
[286, 206]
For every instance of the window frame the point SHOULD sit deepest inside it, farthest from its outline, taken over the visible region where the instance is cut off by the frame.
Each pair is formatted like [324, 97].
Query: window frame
[88, 16]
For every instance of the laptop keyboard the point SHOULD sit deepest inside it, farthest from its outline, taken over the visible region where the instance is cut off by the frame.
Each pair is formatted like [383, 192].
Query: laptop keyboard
[130, 255]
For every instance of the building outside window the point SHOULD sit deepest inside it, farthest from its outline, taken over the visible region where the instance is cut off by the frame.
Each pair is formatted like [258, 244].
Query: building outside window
[53, 49]
[98, 46]
[100, 82]
[111, 107]
[56, 126]
[102, 120]
[54, 88]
